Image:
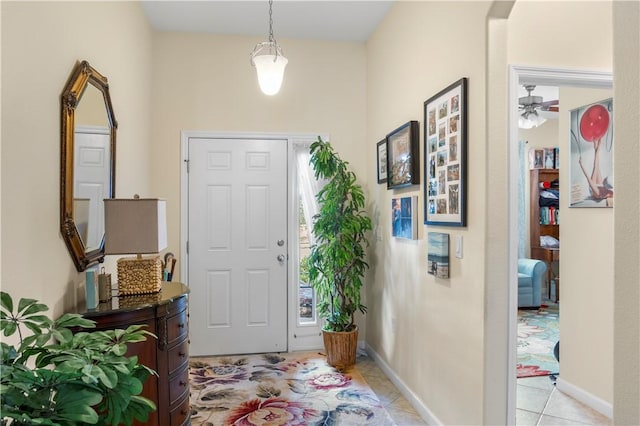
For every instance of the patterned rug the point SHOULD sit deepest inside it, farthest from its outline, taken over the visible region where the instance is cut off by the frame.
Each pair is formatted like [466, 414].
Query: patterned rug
[538, 333]
[280, 389]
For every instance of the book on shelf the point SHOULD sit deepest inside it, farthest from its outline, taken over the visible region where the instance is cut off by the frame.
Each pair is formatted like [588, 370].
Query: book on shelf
[549, 216]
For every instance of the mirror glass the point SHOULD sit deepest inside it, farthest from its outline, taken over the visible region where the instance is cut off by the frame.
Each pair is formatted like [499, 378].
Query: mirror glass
[88, 163]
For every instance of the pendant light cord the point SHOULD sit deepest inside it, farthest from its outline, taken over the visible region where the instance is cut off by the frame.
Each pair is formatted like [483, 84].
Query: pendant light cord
[271, 39]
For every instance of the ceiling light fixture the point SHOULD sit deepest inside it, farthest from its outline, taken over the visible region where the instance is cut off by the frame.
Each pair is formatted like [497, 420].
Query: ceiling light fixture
[269, 61]
[530, 119]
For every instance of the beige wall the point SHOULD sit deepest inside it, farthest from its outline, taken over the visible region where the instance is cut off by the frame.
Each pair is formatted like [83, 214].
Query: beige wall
[626, 66]
[41, 42]
[586, 271]
[206, 83]
[429, 331]
[583, 290]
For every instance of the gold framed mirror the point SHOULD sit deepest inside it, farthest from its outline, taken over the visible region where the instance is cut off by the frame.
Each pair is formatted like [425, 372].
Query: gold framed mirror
[87, 163]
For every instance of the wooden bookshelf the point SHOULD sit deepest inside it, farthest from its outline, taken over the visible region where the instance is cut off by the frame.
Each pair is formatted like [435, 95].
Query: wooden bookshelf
[548, 255]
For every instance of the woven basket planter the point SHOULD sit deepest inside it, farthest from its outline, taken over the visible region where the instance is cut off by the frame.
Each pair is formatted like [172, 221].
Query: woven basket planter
[341, 348]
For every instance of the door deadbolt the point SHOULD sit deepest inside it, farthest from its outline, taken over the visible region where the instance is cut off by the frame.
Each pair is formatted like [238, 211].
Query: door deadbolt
[280, 243]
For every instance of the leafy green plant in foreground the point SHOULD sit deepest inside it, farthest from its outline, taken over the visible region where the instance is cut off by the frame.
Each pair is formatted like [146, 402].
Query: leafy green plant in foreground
[53, 376]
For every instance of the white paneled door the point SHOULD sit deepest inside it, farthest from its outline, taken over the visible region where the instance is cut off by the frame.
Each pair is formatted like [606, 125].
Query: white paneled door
[92, 168]
[237, 245]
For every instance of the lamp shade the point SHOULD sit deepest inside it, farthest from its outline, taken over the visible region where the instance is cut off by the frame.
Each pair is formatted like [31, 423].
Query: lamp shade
[137, 225]
[270, 69]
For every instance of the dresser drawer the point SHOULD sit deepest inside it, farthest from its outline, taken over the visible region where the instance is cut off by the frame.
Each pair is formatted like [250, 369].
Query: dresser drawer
[178, 356]
[179, 385]
[180, 414]
[176, 327]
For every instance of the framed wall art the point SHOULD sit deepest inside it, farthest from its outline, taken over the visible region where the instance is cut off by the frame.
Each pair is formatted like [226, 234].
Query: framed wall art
[438, 254]
[382, 161]
[445, 156]
[402, 156]
[592, 155]
[404, 217]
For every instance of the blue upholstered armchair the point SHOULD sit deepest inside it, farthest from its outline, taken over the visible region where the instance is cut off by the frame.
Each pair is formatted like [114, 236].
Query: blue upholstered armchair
[530, 273]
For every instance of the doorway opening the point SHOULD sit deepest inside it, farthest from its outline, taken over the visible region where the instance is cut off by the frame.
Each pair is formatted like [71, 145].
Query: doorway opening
[519, 76]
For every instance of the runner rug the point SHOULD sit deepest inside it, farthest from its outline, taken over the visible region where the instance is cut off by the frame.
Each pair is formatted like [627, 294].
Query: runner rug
[280, 389]
[538, 333]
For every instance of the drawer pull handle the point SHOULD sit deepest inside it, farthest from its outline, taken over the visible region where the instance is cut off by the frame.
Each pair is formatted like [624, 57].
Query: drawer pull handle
[183, 383]
[181, 325]
[182, 354]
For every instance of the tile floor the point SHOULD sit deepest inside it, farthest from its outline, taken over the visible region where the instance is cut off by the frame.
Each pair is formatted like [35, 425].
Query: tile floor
[402, 413]
[538, 402]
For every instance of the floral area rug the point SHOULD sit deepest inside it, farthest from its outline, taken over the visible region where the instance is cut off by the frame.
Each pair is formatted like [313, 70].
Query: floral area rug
[538, 333]
[280, 389]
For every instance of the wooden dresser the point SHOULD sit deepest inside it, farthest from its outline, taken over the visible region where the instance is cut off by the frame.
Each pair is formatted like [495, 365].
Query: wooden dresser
[166, 315]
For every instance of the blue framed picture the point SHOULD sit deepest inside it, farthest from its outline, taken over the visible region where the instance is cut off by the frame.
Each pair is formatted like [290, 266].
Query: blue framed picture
[404, 217]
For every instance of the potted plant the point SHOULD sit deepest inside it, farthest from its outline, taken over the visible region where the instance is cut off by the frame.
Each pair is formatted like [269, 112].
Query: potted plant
[80, 378]
[337, 261]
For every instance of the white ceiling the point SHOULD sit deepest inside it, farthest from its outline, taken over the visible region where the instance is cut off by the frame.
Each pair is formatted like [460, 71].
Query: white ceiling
[352, 20]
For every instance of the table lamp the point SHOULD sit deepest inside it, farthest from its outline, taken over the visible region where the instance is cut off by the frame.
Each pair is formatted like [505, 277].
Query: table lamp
[136, 226]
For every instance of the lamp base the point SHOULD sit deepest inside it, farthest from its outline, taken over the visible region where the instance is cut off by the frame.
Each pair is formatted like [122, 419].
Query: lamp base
[139, 275]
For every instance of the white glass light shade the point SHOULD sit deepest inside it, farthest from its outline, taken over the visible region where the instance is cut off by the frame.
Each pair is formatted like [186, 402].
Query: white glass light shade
[529, 120]
[270, 70]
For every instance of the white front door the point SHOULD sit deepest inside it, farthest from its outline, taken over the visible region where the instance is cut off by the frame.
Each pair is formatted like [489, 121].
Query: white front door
[237, 237]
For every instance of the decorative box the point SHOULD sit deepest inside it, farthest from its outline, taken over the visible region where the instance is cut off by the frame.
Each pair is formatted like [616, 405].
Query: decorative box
[139, 275]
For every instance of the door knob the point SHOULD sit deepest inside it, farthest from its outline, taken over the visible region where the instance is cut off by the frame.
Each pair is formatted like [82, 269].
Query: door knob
[280, 258]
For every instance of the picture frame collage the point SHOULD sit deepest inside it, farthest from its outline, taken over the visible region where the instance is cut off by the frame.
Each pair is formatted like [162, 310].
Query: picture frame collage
[445, 163]
[445, 171]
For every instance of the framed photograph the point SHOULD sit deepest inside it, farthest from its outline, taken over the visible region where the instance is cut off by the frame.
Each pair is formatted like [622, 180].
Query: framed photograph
[402, 156]
[382, 161]
[438, 254]
[592, 155]
[536, 158]
[404, 217]
[445, 156]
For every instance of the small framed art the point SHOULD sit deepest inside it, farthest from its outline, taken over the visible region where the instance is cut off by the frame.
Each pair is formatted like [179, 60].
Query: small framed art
[402, 156]
[445, 156]
[438, 254]
[382, 161]
[404, 217]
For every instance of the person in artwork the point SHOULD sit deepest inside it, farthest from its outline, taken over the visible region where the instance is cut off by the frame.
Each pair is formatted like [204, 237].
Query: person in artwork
[600, 188]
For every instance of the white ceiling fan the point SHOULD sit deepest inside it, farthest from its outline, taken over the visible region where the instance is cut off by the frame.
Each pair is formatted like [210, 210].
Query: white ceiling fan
[534, 110]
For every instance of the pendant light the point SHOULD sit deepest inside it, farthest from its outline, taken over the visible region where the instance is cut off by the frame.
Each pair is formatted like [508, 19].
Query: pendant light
[269, 61]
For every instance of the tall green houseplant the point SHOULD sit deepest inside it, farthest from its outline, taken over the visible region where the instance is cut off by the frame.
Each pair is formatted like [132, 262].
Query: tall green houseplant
[337, 261]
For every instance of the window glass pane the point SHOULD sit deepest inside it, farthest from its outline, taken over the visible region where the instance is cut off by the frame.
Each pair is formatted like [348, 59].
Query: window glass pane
[306, 294]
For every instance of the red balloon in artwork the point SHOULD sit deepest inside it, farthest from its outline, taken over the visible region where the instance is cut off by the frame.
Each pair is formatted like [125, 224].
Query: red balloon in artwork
[594, 123]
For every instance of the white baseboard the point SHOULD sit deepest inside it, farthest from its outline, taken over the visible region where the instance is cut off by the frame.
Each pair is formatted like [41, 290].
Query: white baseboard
[585, 397]
[422, 410]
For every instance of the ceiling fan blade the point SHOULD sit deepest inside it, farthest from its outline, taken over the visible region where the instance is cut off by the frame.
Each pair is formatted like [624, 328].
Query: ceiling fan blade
[549, 103]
